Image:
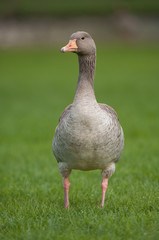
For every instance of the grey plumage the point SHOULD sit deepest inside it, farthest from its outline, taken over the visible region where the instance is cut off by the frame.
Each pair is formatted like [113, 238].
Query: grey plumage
[89, 135]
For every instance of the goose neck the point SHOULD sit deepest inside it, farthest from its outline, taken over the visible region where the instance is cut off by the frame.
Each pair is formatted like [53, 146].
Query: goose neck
[85, 85]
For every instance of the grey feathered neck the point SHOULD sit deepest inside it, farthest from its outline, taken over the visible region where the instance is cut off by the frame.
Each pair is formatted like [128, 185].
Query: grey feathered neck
[85, 85]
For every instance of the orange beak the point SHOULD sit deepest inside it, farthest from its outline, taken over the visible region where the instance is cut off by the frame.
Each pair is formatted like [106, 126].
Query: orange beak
[70, 47]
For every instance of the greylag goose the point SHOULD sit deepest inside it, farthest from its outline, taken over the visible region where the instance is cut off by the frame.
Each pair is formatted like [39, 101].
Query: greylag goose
[89, 135]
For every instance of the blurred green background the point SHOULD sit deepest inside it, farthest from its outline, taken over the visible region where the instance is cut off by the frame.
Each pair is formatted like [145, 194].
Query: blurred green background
[37, 82]
[70, 7]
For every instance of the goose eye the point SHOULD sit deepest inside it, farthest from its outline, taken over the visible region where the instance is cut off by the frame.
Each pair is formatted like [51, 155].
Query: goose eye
[82, 38]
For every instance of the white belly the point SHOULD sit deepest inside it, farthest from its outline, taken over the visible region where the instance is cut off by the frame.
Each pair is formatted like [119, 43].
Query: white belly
[88, 140]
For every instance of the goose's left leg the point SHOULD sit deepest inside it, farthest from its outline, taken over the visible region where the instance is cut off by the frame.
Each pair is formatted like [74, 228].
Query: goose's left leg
[104, 186]
[106, 173]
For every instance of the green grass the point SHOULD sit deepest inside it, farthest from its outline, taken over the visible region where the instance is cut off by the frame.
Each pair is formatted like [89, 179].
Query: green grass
[35, 86]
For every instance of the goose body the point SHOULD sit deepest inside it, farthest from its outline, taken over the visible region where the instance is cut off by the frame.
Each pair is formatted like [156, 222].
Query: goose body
[89, 135]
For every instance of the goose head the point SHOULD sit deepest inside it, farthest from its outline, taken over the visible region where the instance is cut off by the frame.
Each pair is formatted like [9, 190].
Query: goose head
[80, 43]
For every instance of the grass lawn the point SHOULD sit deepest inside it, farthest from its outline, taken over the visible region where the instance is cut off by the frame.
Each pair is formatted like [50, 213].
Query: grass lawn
[35, 86]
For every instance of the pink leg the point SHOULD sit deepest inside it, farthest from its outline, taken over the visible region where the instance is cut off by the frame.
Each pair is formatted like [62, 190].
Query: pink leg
[66, 185]
[104, 188]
